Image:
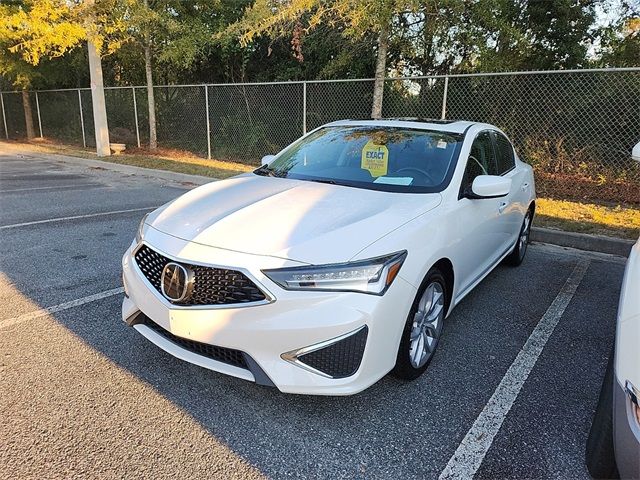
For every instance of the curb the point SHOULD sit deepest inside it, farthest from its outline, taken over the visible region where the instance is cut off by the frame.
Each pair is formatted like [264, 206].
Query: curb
[582, 241]
[133, 170]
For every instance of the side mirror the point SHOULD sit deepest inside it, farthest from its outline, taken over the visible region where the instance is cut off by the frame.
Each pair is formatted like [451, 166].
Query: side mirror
[635, 153]
[267, 159]
[489, 186]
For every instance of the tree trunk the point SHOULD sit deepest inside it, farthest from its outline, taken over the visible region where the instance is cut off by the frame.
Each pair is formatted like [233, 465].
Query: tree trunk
[101, 125]
[153, 137]
[28, 114]
[381, 67]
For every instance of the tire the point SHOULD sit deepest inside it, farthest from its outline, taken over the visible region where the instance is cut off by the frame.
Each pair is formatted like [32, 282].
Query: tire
[410, 362]
[516, 257]
[600, 456]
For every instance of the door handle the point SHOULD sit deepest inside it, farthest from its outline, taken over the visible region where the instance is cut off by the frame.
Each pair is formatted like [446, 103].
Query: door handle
[524, 187]
[502, 206]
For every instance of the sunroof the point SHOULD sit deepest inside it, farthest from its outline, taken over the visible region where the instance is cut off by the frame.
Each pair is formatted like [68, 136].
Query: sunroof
[419, 119]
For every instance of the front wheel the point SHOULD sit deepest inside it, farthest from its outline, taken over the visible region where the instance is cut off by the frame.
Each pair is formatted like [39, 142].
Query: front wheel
[516, 257]
[423, 328]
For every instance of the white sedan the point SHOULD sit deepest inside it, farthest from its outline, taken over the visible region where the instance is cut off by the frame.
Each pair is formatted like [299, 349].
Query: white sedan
[338, 260]
[613, 447]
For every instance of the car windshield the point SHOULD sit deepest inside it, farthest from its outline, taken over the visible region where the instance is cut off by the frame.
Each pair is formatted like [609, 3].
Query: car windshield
[377, 158]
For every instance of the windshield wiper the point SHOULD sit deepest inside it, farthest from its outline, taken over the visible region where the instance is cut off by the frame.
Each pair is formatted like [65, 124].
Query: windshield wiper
[323, 180]
[267, 171]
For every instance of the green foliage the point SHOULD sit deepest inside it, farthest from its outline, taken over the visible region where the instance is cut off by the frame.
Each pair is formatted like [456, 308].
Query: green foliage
[34, 31]
[260, 40]
[43, 28]
[621, 40]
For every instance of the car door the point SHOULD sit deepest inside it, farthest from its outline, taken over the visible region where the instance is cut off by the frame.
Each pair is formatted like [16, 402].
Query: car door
[512, 207]
[481, 235]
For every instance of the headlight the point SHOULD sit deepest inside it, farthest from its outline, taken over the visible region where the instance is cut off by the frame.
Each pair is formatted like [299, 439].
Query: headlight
[367, 276]
[140, 229]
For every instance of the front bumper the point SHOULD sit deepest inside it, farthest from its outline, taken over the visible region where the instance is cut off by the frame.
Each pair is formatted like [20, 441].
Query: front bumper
[267, 334]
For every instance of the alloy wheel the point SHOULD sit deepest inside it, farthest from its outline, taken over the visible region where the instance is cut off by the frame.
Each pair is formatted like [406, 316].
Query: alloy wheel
[523, 241]
[427, 325]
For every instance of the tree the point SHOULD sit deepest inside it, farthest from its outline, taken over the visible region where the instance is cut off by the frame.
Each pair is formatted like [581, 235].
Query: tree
[535, 34]
[36, 29]
[170, 33]
[620, 40]
[22, 74]
[21, 49]
[358, 18]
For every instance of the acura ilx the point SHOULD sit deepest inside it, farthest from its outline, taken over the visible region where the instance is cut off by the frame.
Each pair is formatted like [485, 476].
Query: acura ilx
[338, 260]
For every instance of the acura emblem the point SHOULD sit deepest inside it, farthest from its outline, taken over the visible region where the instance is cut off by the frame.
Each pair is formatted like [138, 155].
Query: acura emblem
[176, 282]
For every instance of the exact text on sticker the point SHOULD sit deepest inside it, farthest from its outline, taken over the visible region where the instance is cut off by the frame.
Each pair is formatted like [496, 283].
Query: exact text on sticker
[375, 159]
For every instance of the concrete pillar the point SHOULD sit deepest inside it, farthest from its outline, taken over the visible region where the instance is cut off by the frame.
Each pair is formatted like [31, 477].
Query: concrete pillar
[99, 107]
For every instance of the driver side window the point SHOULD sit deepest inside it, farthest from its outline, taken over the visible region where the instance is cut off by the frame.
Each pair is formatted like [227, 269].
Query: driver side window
[481, 160]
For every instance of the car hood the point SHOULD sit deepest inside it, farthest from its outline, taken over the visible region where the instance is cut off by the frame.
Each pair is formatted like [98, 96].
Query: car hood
[298, 220]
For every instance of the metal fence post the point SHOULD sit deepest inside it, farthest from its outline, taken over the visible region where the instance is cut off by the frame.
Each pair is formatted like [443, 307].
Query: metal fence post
[304, 108]
[4, 117]
[135, 114]
[84, 139]
[444, 97]
[206, 101]
[38, 108]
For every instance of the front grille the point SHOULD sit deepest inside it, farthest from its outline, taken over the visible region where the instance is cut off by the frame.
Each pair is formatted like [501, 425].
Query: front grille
[221, 354]
[341, 359]
[212, 286]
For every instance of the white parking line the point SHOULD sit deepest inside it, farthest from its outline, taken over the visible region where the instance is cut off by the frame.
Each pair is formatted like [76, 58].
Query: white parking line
[75, 217]
[59, 308]
[52, 187]
[469, 455]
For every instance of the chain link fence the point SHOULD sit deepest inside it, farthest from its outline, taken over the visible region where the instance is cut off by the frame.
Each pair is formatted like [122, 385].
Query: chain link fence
[576, 128]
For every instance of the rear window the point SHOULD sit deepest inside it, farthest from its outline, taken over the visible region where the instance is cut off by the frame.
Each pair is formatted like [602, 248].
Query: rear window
[391, 159]
[504, 154]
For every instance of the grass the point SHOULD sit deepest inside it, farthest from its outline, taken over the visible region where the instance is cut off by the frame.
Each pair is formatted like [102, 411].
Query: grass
[171, 160]
[615, 221]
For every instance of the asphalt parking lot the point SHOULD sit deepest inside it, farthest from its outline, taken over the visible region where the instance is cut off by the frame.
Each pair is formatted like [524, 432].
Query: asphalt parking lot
[82, 395]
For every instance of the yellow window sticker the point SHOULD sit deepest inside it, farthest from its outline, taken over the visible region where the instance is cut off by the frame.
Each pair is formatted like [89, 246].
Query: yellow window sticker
[375, 158]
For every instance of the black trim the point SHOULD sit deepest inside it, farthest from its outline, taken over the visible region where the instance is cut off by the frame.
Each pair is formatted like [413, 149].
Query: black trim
[135, 319]
[230, 356]
[241, 359]
[259, 375]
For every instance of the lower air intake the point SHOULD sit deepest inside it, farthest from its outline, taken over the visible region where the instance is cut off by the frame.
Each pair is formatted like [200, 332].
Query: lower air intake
[340, 359]
[221, 354]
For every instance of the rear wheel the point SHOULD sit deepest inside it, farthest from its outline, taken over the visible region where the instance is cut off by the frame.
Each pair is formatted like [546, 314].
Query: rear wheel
[423, 328]
[516, 257]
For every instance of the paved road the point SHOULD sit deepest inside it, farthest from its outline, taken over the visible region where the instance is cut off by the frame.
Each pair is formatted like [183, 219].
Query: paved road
[82, 395]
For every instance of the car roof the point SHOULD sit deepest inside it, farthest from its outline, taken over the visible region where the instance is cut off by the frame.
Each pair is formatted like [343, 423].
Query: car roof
[451, 126]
